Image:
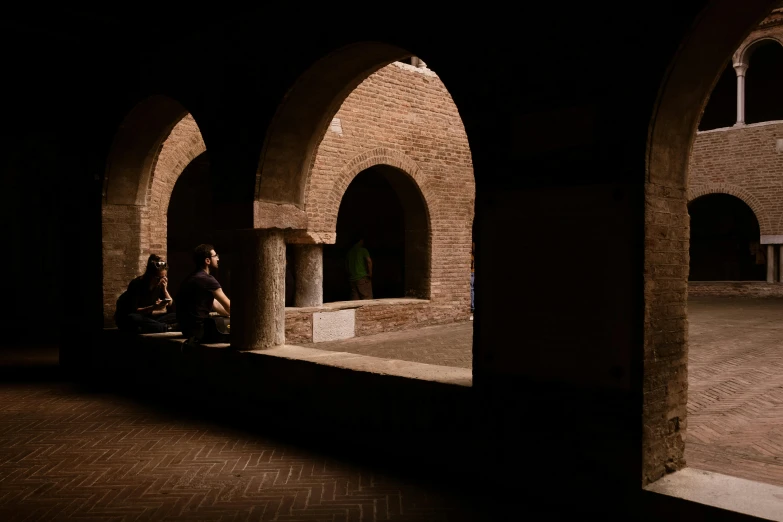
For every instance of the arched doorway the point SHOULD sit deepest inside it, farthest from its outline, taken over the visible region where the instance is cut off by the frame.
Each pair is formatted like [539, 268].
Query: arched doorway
[724, 243]
[385, 206]
[681, 99]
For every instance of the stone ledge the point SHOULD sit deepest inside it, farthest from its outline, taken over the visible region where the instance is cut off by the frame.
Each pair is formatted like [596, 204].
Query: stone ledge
[343, 360]
[375, 365]
[722, 491]
[344, 305]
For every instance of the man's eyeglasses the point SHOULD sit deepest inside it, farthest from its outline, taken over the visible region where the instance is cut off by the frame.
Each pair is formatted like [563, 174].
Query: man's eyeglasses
[158, 264]
[215, 256]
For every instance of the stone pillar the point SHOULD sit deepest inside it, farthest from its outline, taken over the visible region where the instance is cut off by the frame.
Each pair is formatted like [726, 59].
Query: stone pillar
[309, 274]
[770, 263]
[740, 69]
[258, 303]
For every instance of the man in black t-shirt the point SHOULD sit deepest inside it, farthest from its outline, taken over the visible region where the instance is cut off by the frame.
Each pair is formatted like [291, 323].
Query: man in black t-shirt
[201, 294]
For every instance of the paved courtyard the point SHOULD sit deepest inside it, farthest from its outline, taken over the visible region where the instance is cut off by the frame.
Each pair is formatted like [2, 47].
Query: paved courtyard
[449, 345]
[735, 398]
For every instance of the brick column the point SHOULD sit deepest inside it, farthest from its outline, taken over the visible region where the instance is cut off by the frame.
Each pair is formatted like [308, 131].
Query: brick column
[258, 304]
[309, 273]
[770, 263]
[740, 69]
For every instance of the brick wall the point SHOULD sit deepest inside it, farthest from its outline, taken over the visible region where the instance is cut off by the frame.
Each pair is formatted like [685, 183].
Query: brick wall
[298, 326]
[123, 247]
[745, 162]
[403, 116]
[372, 317]
[665, 355]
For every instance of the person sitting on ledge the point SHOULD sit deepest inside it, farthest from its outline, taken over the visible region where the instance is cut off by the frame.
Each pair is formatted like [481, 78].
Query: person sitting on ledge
[201, 294]
[143, 307]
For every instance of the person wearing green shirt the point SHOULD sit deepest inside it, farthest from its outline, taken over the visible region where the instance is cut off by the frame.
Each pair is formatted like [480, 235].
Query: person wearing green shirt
[359, 266]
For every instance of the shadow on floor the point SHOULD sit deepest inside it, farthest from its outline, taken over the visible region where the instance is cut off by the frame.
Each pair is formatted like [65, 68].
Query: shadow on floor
[30, 363]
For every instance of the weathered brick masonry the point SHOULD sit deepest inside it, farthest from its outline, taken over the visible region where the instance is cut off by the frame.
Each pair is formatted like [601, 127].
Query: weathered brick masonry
[401, 116]
[746, 162]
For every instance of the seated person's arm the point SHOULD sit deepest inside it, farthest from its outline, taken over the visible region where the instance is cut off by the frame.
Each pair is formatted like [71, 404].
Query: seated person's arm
[151, 309]
[221, 304]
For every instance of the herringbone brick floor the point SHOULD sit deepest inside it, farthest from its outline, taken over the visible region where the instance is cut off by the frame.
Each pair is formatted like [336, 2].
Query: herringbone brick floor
[735, 397]
[70, 455]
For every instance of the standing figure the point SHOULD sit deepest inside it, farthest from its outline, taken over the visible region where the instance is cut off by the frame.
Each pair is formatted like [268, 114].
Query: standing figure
[359, 266]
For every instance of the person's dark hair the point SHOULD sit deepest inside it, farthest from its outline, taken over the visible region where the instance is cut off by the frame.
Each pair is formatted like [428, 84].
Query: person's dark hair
[154, 265]
[201, 253]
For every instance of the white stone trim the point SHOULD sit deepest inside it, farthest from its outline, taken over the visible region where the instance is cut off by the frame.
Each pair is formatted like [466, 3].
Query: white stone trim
[768, 239]
[421, 70]
[334, 326]
[743, 126]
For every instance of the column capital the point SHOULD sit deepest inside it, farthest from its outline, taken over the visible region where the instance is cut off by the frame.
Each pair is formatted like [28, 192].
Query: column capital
[741, 68]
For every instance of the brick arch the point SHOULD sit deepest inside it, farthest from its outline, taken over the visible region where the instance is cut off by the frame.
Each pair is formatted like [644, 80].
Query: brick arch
[327, 212]
[136, 147]
[304, 115]
[135, 220]
[738, 192]
[184, 144]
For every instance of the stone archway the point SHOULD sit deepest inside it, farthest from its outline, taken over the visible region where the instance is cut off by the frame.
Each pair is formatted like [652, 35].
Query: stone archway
[663, 358]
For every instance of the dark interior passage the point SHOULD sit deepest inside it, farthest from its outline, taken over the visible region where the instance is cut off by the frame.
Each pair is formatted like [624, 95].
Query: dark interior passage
[764, 83]
[725, 240]
[385, 206]
[721, 109]
[191, 222]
